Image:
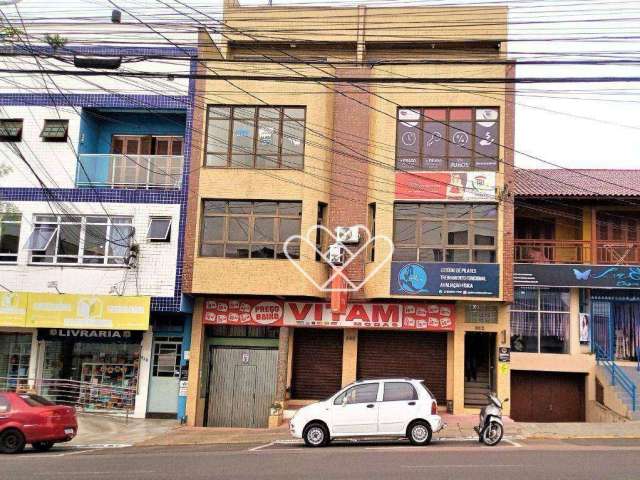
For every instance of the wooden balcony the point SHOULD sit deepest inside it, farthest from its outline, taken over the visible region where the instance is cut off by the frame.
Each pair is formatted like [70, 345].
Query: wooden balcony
[599, 252]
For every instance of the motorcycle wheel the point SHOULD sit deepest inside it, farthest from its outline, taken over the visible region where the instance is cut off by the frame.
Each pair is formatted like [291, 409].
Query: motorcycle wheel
[492, 434]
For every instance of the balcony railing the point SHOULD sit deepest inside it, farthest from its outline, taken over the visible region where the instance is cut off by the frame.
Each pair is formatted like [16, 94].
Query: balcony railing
[577, 251]
[129, 171]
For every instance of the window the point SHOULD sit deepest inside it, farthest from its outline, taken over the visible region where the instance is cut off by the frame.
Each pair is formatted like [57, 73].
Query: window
[249, 229]
[93, 239]
[371, 222]
[55, 130]
[321, 235]
[397, 391]
[9, 237]
[167, 353]
[5, 406]
[10, 130]
[366, 393]
[447, 139]
[255, 137]
[36, 400]
[481, 313]
[159, 229]
[438, 232]
[540, 320]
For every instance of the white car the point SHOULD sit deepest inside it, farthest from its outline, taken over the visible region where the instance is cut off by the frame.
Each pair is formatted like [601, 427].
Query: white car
[393, 407]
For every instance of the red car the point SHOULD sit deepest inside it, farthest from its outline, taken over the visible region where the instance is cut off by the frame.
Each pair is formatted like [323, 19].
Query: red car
[27, 418]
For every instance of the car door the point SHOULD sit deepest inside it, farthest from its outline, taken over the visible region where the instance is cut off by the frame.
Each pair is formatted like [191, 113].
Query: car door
[355, 411]
[399, 406]
[5, 411]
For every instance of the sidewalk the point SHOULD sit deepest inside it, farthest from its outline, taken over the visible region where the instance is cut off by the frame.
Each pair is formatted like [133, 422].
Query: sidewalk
[95, 429]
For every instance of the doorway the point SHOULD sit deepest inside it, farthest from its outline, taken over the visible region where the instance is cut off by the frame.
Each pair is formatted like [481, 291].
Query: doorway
[479, 371]
[165, 377]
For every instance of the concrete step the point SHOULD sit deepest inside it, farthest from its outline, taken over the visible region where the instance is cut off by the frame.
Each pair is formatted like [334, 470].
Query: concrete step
[477, 384]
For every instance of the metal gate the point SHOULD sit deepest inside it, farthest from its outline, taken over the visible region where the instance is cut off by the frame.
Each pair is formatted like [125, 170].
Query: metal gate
[601, 325]
[242, 385]
[165, 375]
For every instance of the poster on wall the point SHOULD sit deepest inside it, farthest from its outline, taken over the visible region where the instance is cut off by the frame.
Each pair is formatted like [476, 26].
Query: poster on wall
[585, 330]
[444, 279]
[464, 186]
[278, 313]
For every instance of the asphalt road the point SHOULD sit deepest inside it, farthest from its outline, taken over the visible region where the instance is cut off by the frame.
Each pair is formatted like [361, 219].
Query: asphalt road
[576, 459]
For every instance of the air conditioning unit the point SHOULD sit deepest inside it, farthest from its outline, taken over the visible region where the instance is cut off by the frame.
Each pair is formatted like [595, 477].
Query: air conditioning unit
[336, 254]
[347, 235]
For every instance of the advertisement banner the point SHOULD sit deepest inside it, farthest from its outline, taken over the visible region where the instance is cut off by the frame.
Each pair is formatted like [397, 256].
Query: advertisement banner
[102, 312]
[588, 276]
[437, 317]
[445, 279]
[13, 309]
[90, 336]
[464, 186]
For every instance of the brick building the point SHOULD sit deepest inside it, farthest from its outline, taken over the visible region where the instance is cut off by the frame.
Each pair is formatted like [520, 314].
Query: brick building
[431, 172]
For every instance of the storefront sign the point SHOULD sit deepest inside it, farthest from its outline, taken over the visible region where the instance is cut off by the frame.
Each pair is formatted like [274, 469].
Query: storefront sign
[445, 279]
[467, 186]
[405, 316]
[82, 335]
[50, 310]
[589, 276]
[13, 309]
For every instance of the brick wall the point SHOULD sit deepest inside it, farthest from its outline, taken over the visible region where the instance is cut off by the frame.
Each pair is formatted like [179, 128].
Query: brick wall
[508, 207]
[348, 193]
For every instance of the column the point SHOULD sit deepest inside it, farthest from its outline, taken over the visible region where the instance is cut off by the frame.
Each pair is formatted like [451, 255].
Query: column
[349, 356]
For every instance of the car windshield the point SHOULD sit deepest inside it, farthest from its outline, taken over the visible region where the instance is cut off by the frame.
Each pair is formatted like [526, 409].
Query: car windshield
[36, 400]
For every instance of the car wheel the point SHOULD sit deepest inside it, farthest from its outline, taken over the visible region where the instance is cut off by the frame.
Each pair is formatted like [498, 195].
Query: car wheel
[315, 435]
[420, 433]
[42, 446]
[12, 441]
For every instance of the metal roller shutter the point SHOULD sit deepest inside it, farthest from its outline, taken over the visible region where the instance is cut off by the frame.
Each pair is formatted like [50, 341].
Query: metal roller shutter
[317, 363]
[405, 354]
[547, 396]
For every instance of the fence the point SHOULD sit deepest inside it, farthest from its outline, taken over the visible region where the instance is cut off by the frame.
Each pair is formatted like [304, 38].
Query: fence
[84, 396]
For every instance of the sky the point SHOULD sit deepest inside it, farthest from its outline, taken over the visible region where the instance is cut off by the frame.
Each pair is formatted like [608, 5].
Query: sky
[581, 125]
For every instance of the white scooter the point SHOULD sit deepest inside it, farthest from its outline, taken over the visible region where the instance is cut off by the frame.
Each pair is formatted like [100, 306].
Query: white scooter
[490, 428]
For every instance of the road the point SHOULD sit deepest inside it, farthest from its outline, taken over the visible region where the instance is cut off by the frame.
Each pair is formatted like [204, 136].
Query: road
[524, 460]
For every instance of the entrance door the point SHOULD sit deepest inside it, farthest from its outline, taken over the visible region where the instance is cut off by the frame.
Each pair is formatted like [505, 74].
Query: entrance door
[479, 351]
[165, 376]
[242, 384]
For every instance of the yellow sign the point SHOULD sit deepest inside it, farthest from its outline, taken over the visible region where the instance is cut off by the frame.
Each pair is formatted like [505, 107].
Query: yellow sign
[106, 312]
[13, 309]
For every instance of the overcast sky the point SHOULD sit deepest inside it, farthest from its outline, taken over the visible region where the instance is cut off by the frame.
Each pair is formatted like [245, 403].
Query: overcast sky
[576, 125]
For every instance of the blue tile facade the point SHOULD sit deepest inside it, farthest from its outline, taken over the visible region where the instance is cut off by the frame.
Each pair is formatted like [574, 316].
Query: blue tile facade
[150, 103]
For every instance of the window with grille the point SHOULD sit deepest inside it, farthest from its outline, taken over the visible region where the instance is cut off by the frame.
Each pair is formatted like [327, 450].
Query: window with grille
[10, 130]
[55, 130]
[479, 313]
[250, 229]
[447, 138]
[255, 137]
[438, 232]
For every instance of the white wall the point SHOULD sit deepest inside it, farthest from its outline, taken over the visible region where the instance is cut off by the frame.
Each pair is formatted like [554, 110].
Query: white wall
[157, 260]
[55, 162]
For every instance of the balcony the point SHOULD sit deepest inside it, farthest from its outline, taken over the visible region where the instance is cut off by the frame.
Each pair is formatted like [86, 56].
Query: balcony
[577, 252]
[129, 171]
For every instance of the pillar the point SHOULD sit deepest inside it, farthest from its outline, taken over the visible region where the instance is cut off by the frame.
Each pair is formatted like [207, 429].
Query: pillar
[349, 356]
[196, 365]
[283, 364]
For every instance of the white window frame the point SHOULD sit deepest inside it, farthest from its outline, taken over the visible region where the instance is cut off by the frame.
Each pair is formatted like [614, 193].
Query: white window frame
[83, 222]
[4, 221]
[167, 235]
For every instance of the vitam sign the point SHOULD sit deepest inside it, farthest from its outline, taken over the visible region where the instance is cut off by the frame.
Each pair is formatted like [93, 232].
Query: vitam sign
[406, 316]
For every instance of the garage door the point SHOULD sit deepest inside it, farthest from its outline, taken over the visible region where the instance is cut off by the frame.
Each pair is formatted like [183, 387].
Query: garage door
[547, 396]
[317, 363]
[404, 354]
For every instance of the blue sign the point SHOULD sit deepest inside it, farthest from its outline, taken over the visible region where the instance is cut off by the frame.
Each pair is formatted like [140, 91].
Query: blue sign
[596, 276]
[445, 279]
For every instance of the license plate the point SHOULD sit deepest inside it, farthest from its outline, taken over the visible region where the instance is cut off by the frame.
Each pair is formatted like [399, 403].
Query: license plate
[68, 431]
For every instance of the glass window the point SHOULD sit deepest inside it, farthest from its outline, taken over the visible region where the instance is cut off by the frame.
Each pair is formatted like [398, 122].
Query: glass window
[366, 393]
[397, 391]
[9, 237]
[255, 137]
[540, 320]
[88, 240]
[10, 130]
[246, 229]
[36, 400]
[5, 406]
[438, 232]
[159, 229]
[55, 130]
[447, 138]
